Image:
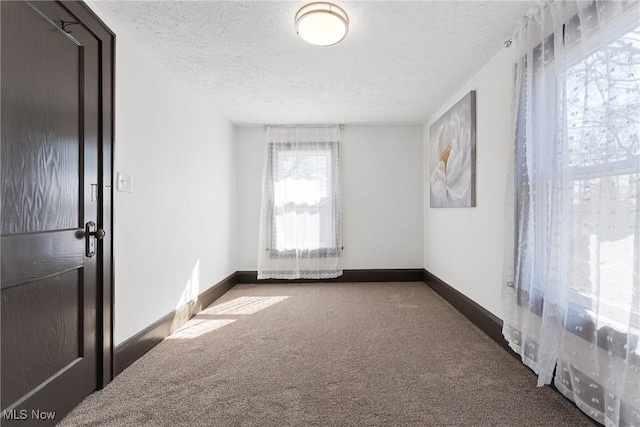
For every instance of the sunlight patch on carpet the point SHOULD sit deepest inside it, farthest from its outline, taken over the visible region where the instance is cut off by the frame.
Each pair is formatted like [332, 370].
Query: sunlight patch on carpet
[243, 305]
[197, 327]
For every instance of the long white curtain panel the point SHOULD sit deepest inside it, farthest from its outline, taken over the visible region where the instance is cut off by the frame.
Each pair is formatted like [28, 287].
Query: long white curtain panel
[572, 255]
[300, 235]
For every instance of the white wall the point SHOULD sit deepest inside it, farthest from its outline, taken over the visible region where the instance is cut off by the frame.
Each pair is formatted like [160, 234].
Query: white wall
[464, 246]
[175, 234]
[381, 196]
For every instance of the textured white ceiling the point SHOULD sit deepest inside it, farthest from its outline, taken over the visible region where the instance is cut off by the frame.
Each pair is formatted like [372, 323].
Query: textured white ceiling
[398, 64]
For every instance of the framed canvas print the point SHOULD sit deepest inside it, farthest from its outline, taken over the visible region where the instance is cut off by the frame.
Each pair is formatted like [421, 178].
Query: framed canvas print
[453, 156]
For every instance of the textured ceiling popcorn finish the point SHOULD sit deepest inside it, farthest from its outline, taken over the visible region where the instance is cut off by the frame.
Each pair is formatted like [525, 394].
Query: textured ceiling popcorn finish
[399, 62]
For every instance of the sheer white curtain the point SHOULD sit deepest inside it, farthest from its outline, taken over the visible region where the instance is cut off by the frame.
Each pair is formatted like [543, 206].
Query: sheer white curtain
[300, 234]
[572, 267]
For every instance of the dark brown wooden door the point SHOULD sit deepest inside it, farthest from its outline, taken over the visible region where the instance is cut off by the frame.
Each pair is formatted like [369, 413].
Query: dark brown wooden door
[50, 122]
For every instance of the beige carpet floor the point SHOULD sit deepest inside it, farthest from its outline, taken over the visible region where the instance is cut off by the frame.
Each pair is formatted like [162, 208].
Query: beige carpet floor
[343, 354]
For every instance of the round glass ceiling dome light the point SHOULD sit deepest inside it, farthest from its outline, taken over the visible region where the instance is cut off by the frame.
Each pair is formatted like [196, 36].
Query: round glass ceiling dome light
[322, 24]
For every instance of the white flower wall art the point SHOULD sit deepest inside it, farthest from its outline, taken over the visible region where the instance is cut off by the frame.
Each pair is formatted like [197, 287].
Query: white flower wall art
[453, 156]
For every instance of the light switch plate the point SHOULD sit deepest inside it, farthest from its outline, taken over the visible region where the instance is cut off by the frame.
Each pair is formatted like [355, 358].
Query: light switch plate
[124, 182]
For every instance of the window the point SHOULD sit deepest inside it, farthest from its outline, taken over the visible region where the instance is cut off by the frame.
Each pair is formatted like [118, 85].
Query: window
[304, 216]
[603, 131]
[584, 192]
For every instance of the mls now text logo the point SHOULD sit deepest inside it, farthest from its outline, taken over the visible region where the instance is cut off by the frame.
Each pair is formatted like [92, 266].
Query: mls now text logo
[23, 414]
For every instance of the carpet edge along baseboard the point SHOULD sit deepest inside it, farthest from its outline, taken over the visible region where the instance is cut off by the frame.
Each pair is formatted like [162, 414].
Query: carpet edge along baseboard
[362, 275]
[486, 321]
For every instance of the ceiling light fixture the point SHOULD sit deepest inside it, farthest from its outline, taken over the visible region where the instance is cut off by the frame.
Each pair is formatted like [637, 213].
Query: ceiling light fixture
[322, 24]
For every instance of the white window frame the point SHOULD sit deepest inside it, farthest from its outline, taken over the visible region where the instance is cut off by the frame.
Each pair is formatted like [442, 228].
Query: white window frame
[601, 316]
[332, 202]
